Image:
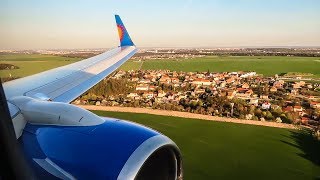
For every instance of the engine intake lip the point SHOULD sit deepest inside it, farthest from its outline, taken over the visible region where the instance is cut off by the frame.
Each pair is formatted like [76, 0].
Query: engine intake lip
[138, 158]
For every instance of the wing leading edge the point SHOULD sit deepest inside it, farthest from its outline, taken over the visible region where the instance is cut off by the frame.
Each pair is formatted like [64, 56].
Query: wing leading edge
[66, 83]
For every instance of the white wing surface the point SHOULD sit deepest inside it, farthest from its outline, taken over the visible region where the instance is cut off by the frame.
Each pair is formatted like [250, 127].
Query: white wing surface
[66, 83]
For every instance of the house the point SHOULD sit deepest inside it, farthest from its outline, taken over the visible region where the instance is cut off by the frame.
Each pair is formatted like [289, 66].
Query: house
[184, 84]
[161, 94]
[200, 76]
[142, 87]
[132, 95]
[182, 97]
[315, 105]
[249, 74]
[297, 109]
[245, 86]
[302, 83]
[305, 120]
[134, 79]
[148, 95]
[273, 89]
[230, 80]
[312, 97]
[309, 86]
[264, 96]
[171, 97]
[266, 105]
[296, 86]
[144, 81]
[243, 95]
[294, 92]
[223, 84]
[254, 102]
[174, 80]
[199, 91]
[287, 109]
[249, 92]
[231, 94]
[174, 74]
[278, 84]
[165, 79]
[152, 88]
[203, 82]
[153, 79]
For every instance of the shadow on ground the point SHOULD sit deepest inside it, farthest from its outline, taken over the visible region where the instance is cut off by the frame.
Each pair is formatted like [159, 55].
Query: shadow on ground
[309, 146]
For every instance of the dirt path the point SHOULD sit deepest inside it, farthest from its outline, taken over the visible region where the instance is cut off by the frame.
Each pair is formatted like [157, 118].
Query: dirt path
[187, 115]
[141, 65]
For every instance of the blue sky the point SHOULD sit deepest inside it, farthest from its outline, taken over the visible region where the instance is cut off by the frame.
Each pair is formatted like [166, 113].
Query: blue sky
[42, 24]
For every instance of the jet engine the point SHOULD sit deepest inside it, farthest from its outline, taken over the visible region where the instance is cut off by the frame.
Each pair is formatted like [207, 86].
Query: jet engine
[63, 141]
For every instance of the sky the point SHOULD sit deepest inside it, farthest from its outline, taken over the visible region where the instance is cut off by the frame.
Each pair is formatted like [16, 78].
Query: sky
[59, 24]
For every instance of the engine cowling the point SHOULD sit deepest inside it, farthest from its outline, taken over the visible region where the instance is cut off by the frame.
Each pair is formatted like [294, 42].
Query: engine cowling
[107, 149]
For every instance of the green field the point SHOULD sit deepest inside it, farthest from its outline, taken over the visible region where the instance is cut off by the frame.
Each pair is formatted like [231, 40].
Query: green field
[218, 150]
[132, 65]
[267, 65]
[32, 64]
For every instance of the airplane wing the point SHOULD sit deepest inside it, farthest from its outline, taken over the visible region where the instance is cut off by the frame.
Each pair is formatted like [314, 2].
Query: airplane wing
[66, 83]
[60, 140]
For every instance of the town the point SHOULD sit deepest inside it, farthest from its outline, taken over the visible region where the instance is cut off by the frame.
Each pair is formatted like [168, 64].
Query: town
[243, 95]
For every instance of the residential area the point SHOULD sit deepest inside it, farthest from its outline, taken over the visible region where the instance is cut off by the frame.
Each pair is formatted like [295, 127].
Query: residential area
[243, 95]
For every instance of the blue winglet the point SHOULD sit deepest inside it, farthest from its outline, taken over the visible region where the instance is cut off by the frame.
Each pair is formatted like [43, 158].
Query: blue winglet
[124, 37]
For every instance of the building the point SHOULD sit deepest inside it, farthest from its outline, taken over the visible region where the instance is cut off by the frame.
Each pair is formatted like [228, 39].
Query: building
[245, 86]
[201, 82]
[315, 105]
[273, 89]
[142, 87]
[265, 105]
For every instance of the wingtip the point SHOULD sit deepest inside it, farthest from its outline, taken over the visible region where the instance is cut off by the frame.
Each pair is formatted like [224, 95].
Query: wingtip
[125, 39]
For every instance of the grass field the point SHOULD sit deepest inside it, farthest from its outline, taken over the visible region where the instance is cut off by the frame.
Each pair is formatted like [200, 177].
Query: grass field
[32, 64]
[267, 65]
[216, 150]
[132, 65]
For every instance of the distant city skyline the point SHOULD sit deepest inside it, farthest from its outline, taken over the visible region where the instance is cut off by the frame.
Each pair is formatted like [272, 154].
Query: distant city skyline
[37, 24]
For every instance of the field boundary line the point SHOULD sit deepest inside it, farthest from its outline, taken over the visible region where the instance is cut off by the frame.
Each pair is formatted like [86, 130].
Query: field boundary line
[186, 115]
[141, 65]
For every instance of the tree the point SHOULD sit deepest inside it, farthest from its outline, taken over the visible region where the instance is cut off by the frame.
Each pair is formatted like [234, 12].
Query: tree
[269, 115]
[193, 104]
[258, 112]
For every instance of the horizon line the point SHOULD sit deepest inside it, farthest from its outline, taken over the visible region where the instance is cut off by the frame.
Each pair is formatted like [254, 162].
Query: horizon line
[164, 47]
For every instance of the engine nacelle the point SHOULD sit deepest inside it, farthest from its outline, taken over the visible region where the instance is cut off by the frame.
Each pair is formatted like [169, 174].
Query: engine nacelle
[64, 141]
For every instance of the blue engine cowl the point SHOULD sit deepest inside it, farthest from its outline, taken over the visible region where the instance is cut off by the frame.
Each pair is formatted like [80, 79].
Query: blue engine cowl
[115, 149]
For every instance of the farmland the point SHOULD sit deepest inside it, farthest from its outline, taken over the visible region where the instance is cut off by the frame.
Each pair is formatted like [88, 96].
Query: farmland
[266, 65]
[215, 150]
[32, 64]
